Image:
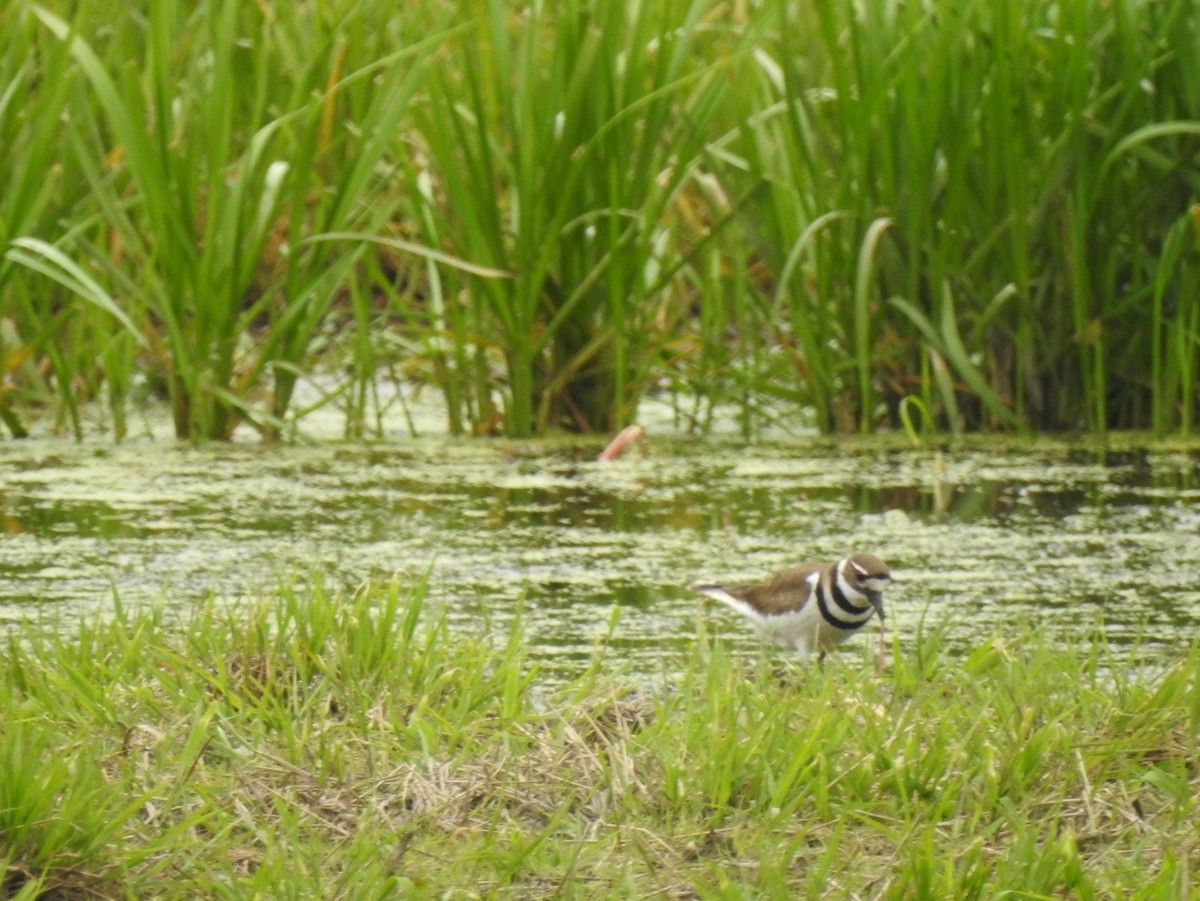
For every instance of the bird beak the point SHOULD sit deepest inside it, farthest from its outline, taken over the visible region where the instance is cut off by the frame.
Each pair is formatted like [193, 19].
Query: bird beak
[876, 599]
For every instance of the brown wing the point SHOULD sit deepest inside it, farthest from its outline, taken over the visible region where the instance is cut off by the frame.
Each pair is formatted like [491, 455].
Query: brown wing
[786, 592]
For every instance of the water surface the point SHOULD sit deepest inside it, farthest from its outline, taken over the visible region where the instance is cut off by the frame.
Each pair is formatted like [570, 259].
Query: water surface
[987, 538]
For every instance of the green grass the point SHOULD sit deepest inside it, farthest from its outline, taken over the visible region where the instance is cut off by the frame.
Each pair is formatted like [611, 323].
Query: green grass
[316, 745]
[981, 213]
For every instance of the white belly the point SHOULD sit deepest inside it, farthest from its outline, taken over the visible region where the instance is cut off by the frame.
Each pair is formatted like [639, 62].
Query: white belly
[806, 632]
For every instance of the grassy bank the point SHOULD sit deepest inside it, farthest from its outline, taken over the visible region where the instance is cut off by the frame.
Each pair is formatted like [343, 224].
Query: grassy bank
[338, 747]
[957, 215]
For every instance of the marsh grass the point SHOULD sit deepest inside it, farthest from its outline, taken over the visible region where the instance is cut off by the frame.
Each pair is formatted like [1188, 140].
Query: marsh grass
[203, 141]
[355, 747]
[559, 142]
[976, 215]
[1009, 149]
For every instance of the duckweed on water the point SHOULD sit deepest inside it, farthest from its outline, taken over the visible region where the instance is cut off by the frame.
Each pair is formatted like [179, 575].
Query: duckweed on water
[321, 745]
[984, 537]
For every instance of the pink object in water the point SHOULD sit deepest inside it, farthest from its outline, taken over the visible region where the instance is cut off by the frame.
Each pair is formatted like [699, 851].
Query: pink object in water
[616, 447]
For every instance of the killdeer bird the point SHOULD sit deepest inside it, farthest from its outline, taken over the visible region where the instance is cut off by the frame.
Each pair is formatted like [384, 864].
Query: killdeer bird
[810, 608]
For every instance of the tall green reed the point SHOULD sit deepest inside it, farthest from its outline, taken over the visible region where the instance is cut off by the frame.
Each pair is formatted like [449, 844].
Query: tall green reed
[558, 143]
[218, 139]
[1003, 143]
[35, 90]
[978, 213]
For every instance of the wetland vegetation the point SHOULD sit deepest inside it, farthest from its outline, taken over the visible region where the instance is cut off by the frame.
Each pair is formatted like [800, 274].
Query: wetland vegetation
[448, 668]
[535, 707]
[316, 745]
[952, 215]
